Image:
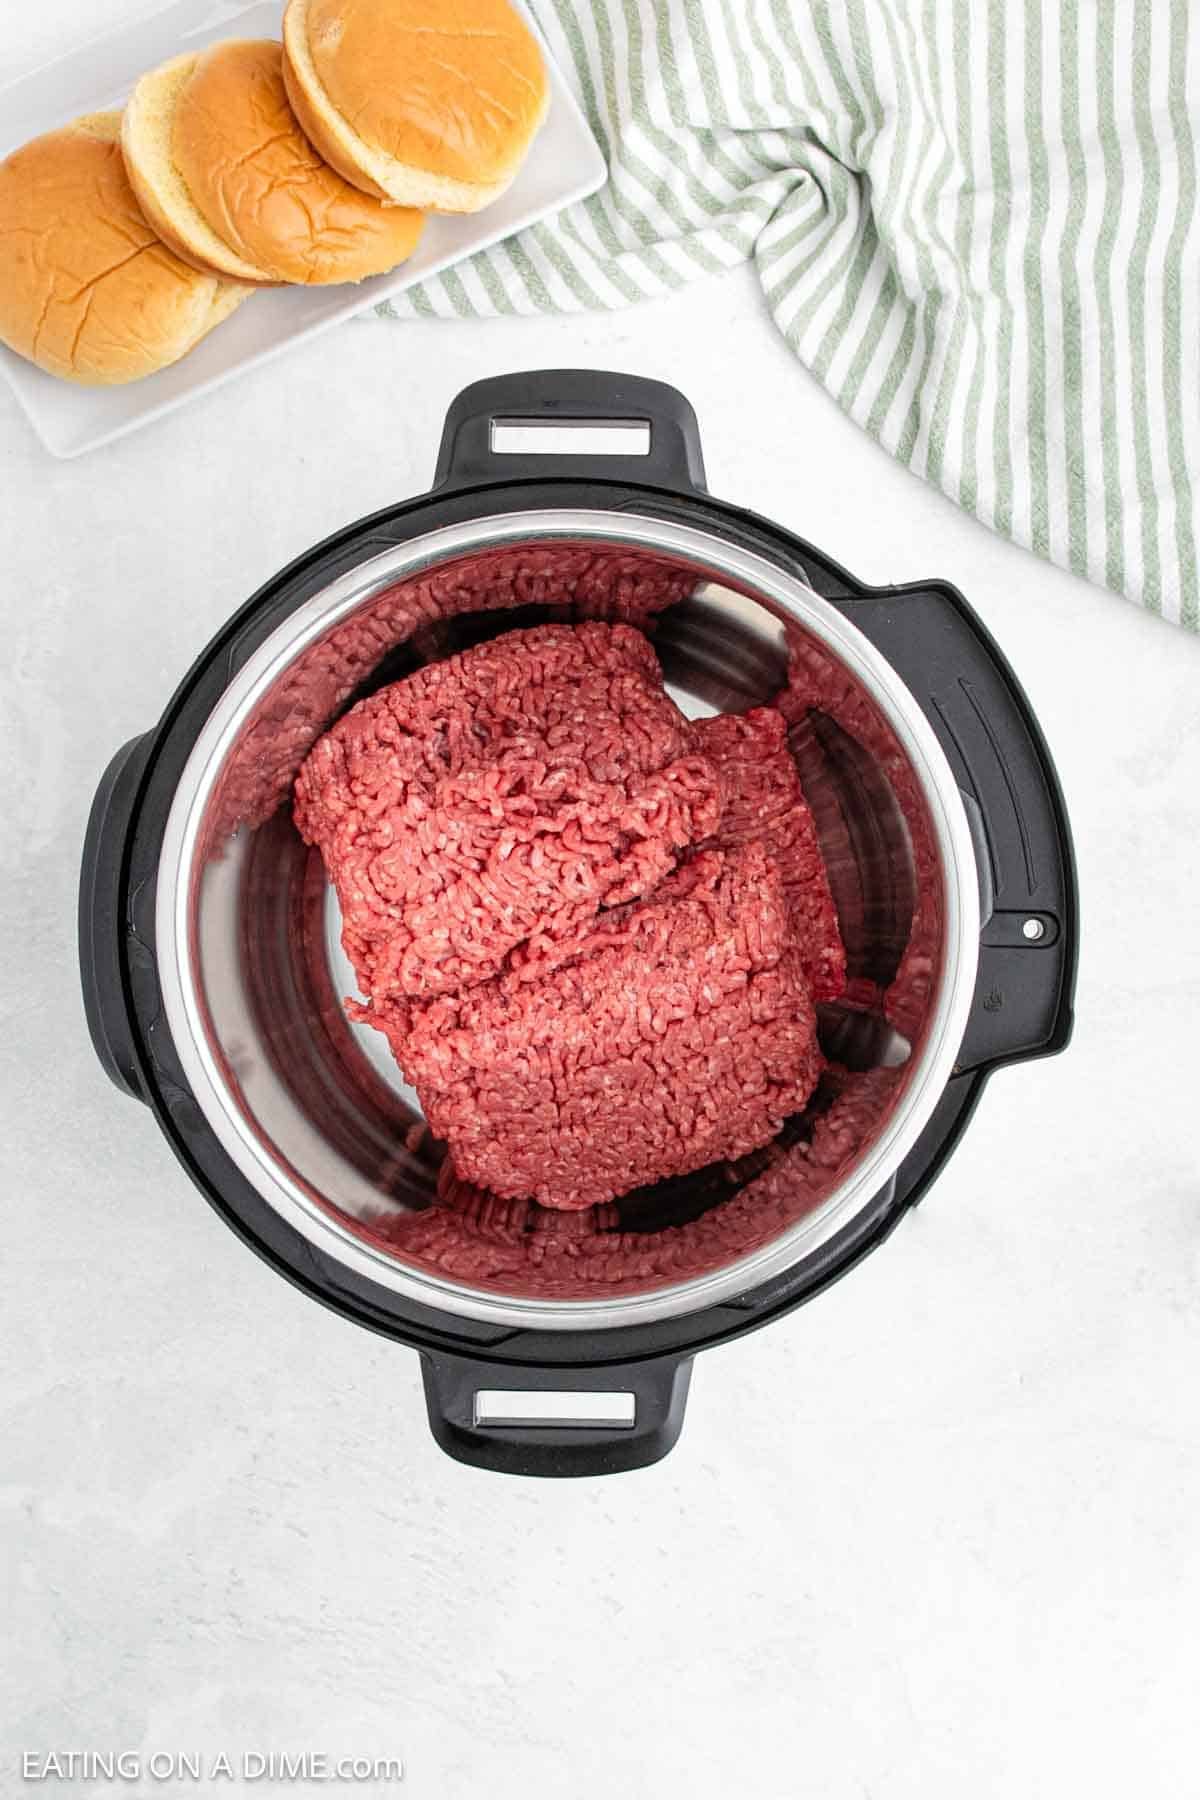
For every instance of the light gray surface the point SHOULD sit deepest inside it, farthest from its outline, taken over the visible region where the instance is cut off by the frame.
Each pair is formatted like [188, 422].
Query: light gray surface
[934, 1535]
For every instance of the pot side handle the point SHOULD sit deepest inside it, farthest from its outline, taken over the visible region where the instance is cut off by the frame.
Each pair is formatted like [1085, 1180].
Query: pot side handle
[493, 429]
[1028, 947]
[555, 1421]
[101, 929]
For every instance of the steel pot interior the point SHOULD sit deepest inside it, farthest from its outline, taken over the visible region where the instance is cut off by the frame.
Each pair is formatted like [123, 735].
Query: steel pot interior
[313, 1109]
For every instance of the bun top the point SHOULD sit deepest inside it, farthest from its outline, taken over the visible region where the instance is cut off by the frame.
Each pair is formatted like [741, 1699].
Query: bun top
[259, 184]
[87, 290]
[456, 87]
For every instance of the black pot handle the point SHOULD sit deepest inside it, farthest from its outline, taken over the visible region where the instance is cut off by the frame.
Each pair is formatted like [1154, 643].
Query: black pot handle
[1030, 938]
[552, 1421]
[480, 422]
[101, 927]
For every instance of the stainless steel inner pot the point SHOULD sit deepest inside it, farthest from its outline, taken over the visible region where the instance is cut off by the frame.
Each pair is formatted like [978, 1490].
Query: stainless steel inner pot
[311, 1108]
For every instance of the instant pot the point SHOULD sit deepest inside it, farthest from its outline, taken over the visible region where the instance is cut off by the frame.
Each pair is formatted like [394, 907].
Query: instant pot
[214, 981]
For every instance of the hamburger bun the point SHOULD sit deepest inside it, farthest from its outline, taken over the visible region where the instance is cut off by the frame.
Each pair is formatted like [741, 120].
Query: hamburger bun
[232, 183]
[429, 103]
[87, 291]
[146, 138]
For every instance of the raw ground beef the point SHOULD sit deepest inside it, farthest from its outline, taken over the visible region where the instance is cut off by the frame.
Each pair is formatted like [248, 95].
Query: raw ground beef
[570, 581]
[763, 802]
[497, 800]
[680, 1033]
[592, 930]
[473, 1236]
[519, 1244]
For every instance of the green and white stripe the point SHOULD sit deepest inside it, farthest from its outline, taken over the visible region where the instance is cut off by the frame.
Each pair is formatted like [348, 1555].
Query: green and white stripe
[973, 220]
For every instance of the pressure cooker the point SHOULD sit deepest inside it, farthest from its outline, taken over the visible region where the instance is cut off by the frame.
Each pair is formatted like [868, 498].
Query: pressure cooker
[214, 981]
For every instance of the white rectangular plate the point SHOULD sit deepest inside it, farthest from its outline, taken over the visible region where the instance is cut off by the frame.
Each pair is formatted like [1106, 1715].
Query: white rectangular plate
[565, 165]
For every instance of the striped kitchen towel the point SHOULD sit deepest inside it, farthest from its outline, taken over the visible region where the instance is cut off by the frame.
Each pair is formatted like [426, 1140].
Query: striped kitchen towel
[973, 220]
